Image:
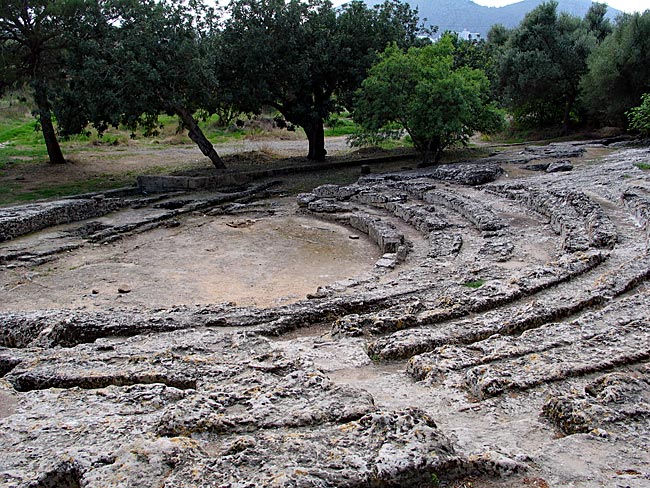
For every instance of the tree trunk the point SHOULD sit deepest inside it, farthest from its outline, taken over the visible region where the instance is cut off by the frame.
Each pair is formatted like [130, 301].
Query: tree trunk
[45, 119]
[315, 131]
[566, 120]
[198, 137]
[430, 148]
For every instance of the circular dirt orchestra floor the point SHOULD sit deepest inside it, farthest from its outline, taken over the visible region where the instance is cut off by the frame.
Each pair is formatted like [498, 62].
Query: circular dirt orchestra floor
[248, 260]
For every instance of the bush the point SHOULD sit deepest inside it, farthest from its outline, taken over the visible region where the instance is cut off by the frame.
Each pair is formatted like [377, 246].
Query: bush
[639, 117]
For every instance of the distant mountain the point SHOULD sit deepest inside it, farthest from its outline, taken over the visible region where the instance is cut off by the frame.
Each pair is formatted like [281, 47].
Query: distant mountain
[459, 15]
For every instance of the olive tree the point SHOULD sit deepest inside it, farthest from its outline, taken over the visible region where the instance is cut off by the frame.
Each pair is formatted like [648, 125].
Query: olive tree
[542, 63]
[619, 70]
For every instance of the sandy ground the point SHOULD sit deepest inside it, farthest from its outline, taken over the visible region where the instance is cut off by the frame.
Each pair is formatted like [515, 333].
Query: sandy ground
[250, 261]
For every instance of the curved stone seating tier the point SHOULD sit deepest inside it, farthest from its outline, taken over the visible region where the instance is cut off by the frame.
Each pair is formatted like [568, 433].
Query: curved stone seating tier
[637, 200]
[144, 214]
[580, 222]
[624, 346]
[480, 216]
[454, 301]
[528, 333]
[595, 288]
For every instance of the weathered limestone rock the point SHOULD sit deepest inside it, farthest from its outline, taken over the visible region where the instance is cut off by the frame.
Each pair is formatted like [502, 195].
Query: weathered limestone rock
[519, 297]
[482, 217]
[383, 233]
[551, 306]
[613, 401]
[559, 166]
[460, 301]
[474, 173]
[444, 244]
[17, 221]
[625, 345]
[402, 448]
[579, 221]
[557, 150]
[505, 344]
[245, 414]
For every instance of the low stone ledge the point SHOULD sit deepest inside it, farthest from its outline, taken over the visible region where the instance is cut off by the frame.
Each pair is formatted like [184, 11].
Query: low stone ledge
[480, 215]
[162, 184]
[23, 219]
[579, 221]
[384, 234]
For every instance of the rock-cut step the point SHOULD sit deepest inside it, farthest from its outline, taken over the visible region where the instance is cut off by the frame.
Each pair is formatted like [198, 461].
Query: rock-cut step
[456, 301]
[614, 401]
[436, 365]
[613, 349]
[595, 288]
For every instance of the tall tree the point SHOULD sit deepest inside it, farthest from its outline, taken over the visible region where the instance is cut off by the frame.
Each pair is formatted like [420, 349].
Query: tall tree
[153, 58]
[599, 25]
[542, 63]
[304, 58]
[33, 40]
[619, 71]
[423, 92]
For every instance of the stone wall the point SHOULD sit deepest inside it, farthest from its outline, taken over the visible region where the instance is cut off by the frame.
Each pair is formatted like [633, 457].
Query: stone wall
[21, 220]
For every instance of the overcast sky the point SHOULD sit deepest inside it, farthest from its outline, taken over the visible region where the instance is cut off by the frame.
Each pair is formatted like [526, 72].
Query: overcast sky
[625, 5]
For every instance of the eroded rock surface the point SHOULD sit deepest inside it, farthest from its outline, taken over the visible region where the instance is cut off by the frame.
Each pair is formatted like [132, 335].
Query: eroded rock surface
[501, 338]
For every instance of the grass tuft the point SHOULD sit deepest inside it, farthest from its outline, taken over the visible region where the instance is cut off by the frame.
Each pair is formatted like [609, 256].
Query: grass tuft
[474, 284]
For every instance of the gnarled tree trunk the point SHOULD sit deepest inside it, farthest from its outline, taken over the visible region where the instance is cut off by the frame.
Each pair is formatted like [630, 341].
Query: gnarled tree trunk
[315, 131]
[45, 118]
[197, 135]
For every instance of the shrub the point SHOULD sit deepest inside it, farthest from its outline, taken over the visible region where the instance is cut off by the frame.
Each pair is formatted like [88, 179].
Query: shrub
[639, 117]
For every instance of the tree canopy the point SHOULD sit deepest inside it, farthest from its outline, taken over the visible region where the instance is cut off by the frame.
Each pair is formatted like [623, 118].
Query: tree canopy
[153, 58]
[109, 63]
[423, 93]
[305, 58]
[619, 70]
[542, 63]
[34, 37]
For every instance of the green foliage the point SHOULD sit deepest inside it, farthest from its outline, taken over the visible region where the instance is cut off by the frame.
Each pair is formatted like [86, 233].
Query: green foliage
[639, 117]
[305, 58]
[337, 125]
[643, 166]
[148, 58]
[422, 93]
[599, 25]
[435, 481]
[474, 284]
[34, 39]
[619, 71]
[541, 65]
